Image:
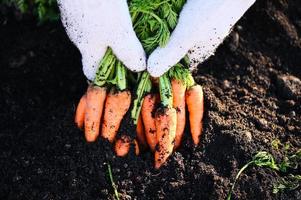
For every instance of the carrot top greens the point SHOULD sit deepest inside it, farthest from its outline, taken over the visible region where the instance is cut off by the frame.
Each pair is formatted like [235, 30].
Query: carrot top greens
[153, 22]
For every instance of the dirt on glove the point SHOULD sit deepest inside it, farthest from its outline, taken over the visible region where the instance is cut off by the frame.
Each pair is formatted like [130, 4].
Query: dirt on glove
[252, 96]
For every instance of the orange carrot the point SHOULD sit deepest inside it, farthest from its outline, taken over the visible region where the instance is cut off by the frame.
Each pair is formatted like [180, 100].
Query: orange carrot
[116, 106]
[178, 91]
[123, 144]
[166, 123]
[137, 150]
[95, 101]
[148, 118]
[195, 104]
[140, 132]
[80, 112]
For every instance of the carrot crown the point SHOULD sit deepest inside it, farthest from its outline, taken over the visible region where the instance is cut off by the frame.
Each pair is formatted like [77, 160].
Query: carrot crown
[144, 86]
[105, 69]
[165, 91]
[119, 76]
[182, 73]
[111, 71]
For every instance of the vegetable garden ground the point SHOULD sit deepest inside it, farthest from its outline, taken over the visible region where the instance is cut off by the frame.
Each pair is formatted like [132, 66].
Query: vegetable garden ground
[252, 97]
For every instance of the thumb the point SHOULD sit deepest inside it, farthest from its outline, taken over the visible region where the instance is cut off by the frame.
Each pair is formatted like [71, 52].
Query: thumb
[203, 25]
[129, 50]
[186, 33]
[163, 58]
[91, 58]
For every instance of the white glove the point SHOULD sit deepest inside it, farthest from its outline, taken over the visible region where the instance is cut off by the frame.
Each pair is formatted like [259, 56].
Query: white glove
[202, 27]
[95, 25]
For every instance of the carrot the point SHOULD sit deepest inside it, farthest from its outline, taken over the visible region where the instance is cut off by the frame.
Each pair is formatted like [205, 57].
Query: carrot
[178, 91]
[80, 112]
[95, 101]
[137, 150]
[123, 144]
[166, 123]
[148, 118]
[140, 132]
[195, 105]
[116, 106]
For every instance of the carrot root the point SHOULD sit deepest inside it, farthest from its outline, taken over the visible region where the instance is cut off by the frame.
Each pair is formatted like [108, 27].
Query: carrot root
[148, 118]
[195, 105]
[123, 145]
[116, 106]
[95, 101]
[80, 112]
[140, 133]
[166, 123]
[178, 90]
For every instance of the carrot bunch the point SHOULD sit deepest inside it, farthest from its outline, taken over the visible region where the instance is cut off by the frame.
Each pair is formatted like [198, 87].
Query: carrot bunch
[158, 112]
[163, 113]
[106, 101]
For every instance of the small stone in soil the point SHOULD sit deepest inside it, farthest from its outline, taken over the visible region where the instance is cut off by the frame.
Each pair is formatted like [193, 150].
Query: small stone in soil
[226, 84]
[290, 103]
[289, 86]
[248, 135]
[17, 178]
[261, 123]
[18, 62]
[292, 114]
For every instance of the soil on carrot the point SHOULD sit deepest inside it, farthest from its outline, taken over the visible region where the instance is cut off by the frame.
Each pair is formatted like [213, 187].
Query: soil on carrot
[252, 96]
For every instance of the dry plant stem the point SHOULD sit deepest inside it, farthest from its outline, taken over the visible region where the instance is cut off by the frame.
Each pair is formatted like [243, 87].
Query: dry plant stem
[112, 182]
[236, 178]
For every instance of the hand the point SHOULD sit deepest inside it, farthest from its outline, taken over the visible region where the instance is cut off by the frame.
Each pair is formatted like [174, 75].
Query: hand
[202, 27]
[95, 25]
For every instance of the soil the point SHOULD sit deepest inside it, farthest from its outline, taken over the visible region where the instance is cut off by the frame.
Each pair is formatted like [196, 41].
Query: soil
[252, 92]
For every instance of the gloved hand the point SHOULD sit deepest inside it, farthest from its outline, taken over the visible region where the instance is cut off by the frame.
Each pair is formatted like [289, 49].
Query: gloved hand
[95, 25]
[202, 27]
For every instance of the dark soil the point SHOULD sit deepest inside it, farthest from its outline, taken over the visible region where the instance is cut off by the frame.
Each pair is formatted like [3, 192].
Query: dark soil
[252, 89]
